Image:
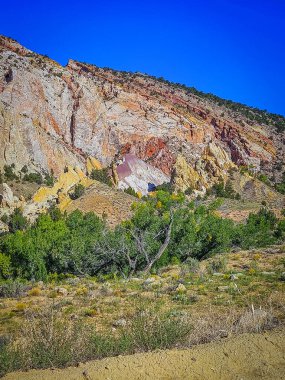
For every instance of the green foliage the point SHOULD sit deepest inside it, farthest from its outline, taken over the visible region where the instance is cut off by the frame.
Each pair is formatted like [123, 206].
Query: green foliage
[166, 186]
[217, 264]
[152, 331]
[55, 213]
[191, 264]
[5, 218]
[131, 191]
[260, 230]
[78, 191]
[55, 243]
[188, 191]
[200, 232]
[33, 178]
[263, 178]
[223, 190]
[101, 175]
[9, 174]
[49, 178]
[17, 221]
[12, 288]
[246, 169]
[280, 187]
[24, 169]
[5, 266]
[164, 229]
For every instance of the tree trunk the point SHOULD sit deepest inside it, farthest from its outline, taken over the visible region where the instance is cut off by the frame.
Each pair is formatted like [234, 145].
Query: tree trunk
[161, 249]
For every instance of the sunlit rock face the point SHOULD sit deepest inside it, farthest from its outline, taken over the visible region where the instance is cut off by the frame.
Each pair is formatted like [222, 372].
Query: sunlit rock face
[53, 116]
[138, 175]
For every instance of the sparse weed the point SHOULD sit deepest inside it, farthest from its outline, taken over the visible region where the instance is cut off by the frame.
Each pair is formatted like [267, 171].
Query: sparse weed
[35, 292]
[217, 264]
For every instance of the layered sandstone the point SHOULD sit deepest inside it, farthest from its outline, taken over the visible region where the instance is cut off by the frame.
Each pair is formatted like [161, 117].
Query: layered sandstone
[53, 116]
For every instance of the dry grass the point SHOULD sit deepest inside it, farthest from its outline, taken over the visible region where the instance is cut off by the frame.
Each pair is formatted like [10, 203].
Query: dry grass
[211, 306]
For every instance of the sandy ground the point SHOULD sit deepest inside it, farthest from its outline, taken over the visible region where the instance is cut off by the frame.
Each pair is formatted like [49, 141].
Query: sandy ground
[245, 357]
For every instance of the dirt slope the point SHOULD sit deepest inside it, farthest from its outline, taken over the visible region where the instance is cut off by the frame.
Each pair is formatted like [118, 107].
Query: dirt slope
[105, 200]
[247, 357]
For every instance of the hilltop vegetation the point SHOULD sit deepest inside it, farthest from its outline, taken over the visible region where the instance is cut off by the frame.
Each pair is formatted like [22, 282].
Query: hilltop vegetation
[252, 114]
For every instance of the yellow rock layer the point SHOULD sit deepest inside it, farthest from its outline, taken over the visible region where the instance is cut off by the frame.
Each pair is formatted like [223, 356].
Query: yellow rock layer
[92, 163]
[64, 183]
[185, 175]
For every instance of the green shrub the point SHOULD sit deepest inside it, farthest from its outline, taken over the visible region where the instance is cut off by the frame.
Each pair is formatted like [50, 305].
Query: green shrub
[49, 179]
[280, 187]
[189, 191]
[9, 174]
[12, 288]
[163, 229]
[24, 169]
[78, 191]
[5, 218]
[217, 264]
[131, 191]
[192, 264]
[263, 178]
[260, 229]
[101, 175]
[150, 331]
[5, 266]
[166, 186]
[33, 178]
[17, 221]
[223, 190]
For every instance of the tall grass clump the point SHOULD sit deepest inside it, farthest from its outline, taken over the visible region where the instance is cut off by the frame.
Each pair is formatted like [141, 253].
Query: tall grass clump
[47, 339]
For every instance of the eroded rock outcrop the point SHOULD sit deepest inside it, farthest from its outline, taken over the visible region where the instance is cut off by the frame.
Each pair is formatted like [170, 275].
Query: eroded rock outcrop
[8, 201]
[53, 116]
[138, 175]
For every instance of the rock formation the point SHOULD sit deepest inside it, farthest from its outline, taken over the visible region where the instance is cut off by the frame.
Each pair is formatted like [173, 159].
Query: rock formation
[53, 116]
[138, 175]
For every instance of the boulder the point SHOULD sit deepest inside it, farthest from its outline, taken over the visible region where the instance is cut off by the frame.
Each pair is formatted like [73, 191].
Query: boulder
[120, 323]
[7, 197]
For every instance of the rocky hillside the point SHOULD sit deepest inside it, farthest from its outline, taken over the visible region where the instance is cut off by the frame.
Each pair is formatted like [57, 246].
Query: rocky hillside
[52, 116]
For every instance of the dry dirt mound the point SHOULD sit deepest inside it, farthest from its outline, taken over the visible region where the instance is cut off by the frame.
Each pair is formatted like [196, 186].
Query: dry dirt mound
[245, 357]
[105, 200]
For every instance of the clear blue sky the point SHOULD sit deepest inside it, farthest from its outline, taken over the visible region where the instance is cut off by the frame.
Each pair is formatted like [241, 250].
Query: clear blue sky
[232, 48]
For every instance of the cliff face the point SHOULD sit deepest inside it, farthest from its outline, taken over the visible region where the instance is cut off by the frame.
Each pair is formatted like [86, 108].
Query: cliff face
[52, 116]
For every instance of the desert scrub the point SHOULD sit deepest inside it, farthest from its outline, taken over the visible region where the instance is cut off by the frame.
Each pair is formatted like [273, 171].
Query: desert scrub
[12, 289]
[150, 331]
[48, 339]
[35, 292]
[217, 264]
[20, 307]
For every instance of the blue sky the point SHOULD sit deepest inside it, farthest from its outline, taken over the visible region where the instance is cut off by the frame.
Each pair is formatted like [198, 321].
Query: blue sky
[232, 48]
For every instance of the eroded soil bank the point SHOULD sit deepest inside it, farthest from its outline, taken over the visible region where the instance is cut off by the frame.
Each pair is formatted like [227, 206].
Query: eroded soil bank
[244, 357]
